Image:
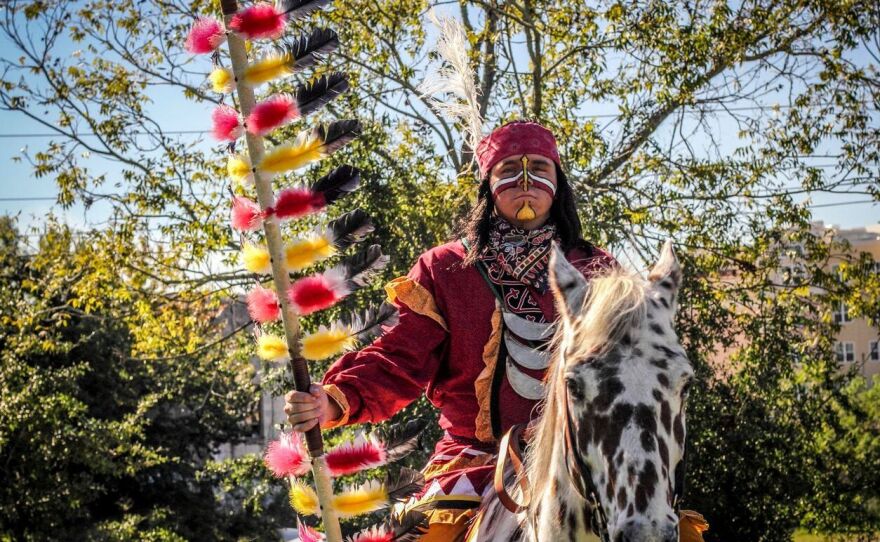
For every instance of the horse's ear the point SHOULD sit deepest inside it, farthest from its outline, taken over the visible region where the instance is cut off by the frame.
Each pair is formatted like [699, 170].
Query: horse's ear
[567, 283]
[666, 268]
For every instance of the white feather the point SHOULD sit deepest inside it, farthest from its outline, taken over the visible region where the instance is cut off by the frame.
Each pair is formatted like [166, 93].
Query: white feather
[455, 77]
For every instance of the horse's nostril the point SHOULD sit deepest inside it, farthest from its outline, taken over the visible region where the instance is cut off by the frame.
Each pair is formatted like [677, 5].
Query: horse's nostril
[643, 532]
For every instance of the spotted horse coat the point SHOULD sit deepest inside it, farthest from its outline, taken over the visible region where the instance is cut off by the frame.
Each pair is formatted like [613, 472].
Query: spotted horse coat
[620, 370]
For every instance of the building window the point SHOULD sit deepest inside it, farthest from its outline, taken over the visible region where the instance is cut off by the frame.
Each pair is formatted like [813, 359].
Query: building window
[845, 352]
[874, 350]
[794, 251]
[793, 273]
[841, 313]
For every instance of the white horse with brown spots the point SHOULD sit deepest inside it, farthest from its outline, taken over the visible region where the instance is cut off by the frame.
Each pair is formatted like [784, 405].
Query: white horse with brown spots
[606, 461]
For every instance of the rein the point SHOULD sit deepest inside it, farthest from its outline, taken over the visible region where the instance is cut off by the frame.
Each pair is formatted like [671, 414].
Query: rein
[582, 479]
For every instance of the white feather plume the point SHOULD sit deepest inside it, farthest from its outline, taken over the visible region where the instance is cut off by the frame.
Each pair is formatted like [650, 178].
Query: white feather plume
[456, 78]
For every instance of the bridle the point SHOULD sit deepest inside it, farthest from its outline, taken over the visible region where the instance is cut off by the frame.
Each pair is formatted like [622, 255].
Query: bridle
[582, 479]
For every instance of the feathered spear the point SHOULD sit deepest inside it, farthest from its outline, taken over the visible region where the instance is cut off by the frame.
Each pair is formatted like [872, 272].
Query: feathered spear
[266, 20]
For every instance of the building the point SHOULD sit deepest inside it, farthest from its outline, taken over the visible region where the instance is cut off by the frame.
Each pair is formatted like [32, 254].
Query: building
[268, 412]
[857, 341]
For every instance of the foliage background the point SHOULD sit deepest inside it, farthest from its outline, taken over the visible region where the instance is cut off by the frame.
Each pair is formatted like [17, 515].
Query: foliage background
[692, 120]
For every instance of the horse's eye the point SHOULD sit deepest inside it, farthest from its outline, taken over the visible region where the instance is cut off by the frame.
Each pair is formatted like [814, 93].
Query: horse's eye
[686, 389]
[575, 387]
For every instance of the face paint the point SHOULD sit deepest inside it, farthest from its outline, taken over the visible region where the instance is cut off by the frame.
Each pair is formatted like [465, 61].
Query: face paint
[525, 183]
[524, 179]
[526, 212]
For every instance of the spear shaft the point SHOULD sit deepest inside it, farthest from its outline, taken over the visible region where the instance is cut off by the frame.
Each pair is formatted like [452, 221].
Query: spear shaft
[266, 198]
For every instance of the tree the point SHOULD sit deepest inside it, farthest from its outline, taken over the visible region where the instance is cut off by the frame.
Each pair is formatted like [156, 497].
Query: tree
[699, 121]
[99, 443]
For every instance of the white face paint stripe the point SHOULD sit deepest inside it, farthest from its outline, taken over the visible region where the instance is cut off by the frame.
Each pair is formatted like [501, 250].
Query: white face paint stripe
[501, 184]
[544, 181]
[507, 180]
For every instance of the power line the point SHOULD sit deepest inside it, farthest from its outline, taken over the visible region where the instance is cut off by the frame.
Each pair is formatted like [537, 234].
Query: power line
[843, 203]
[92, 134]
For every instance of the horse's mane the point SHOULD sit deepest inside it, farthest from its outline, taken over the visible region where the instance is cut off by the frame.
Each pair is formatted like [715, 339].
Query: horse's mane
[615, 304]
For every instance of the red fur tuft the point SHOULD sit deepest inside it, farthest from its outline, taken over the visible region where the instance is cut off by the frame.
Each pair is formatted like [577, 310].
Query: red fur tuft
[227, 125]
[315, 293]
[205, 36]
[287, 457]
[259, 21]
[270, 114]
[373, 534]
[307, 534]
[263, 305]
[246, 214]
[355, 456]
[296, 202]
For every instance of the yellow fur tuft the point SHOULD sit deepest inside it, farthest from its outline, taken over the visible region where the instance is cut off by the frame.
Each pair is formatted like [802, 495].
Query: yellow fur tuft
[222, 81]
[304, 150]
[369, 497]
[256, 259]
[267, 69]
[326, 343]
[303, 499]
[239, 168]
[304, 252]
[272, 348]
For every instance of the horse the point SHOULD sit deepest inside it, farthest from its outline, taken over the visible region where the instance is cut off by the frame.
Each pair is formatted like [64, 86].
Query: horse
[606, 459]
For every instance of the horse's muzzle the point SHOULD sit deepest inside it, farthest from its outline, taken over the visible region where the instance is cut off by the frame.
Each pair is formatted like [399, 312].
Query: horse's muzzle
[646, 532]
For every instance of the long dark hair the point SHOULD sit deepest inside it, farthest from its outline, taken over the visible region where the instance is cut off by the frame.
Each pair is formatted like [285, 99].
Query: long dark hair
[475, 225]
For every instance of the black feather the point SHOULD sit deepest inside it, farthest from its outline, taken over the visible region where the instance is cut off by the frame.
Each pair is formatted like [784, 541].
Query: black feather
[305, 51]
[312, 96]
[407, 483]
[350, 228]
[295, 9]
[409, 526]
[363, 265]
[369, 326]
[337, 183]
[337, 133]
[402, 439]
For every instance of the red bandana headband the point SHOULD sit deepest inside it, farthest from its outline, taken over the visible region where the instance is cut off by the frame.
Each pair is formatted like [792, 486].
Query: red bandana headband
[515, 138]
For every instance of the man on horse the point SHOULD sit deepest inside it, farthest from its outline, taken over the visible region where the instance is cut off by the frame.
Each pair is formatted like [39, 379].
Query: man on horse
[475, 318]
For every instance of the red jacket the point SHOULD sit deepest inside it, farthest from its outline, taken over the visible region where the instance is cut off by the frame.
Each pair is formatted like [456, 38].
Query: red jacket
[445, 346]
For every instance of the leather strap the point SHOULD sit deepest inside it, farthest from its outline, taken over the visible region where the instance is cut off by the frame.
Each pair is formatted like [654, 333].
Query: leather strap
[582, 480]
[510, 447]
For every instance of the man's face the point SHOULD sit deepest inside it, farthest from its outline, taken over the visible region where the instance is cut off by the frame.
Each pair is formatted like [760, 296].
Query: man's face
[523, 187]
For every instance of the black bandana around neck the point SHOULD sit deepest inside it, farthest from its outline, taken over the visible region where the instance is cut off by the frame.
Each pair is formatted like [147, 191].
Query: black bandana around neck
[519, 254]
